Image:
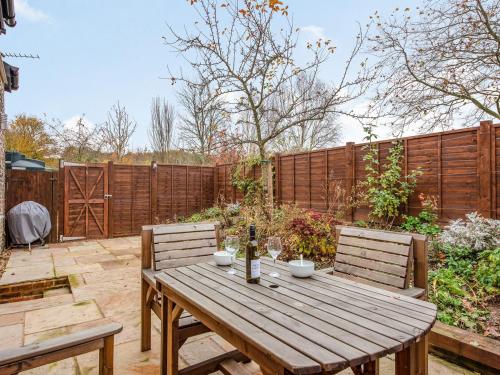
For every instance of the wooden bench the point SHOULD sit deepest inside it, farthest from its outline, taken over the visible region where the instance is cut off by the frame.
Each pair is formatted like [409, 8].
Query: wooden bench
[13, 361]
[175, 245]
[387, 260]
[167, 246]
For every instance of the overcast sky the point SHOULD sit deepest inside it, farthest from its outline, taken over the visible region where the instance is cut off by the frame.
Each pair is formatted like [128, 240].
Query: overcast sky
[94, 53]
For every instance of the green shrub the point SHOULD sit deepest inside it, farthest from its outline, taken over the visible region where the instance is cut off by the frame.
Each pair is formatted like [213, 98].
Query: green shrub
[426, 221]
[457, 304]
[385, 188]
[488, 270]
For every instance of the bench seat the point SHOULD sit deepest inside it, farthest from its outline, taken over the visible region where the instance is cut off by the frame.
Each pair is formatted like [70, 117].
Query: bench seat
[413, 292]
[13, 361]
[378, 258]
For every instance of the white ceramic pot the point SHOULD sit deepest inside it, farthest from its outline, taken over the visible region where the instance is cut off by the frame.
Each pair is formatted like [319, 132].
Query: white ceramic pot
[222, 258]
[301, 268]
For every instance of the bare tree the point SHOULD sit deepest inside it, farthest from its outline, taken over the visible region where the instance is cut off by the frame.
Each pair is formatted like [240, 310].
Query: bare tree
[246, 57]
[80, 142]
[308, 134]
[118, 130]
[438, 64]
[162, 127]
[203, 120]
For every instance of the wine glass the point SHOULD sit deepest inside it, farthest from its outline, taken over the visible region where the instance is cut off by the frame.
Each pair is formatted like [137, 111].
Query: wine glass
[232, 244]
[274, 248]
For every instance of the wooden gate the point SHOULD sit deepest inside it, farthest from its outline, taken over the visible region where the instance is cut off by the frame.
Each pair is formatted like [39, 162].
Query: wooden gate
[86, 201]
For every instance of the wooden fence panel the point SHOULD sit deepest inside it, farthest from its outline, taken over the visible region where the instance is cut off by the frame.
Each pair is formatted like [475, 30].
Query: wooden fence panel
[496, 170]
[131, 198]
[459, 172]
[424, 154]
[37, 186]
[182, 190]
[459, 168]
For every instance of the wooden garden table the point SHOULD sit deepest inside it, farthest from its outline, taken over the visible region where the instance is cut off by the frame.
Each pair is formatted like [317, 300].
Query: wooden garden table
[319, 325]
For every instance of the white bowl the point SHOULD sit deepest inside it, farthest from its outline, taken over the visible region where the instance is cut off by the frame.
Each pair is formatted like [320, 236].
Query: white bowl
[298, 268]
[222, 258]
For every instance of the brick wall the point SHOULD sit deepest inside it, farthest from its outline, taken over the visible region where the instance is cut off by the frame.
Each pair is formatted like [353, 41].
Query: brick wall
[29, 290]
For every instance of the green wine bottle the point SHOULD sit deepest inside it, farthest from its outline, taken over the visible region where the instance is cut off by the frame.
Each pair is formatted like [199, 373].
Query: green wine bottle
[252, 258]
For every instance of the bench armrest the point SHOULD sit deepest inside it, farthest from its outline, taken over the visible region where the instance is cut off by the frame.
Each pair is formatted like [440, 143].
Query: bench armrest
[63, 342]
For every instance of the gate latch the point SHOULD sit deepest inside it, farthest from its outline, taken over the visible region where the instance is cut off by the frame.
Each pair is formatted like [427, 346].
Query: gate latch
[107, 196]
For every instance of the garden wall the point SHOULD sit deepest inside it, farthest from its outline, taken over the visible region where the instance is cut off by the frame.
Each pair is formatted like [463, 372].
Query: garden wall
[460, 168]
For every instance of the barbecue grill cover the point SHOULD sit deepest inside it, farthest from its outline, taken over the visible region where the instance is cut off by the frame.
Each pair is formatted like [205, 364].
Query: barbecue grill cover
[28, 222]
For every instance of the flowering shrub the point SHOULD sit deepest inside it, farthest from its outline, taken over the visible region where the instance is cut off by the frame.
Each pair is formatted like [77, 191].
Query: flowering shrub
[312, 234]
[477, 233]
[301, 231]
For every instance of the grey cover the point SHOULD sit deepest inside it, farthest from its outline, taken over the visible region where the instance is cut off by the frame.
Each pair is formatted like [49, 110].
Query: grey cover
[28, 222]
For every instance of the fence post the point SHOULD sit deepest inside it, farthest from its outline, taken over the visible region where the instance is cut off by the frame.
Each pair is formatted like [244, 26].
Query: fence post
[349, 176]
[270, 187]
[61, 197]
[110, 199]
[277, 178]
[216, 183]
[54, 183]
[484, 168]
[154, 192]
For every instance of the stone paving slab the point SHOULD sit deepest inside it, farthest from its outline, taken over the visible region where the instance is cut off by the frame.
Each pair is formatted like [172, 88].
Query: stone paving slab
[104, 276]
[36, 304]
[30, 272]
[12, 335]
[10, 319]
[77, 269]
[60, 316]
[94, 258]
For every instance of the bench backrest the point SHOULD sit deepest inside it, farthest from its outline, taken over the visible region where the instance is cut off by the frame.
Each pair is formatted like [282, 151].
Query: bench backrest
[376, 257]
[176, 245]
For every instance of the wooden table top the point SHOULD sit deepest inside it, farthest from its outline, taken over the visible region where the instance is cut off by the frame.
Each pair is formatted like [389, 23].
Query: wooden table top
[319, 324]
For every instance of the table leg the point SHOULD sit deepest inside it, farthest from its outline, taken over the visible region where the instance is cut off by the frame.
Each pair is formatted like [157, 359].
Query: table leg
[406, 361]
[145, 317]
[164, 332]
[422, 358]
[106, 356]
[370, 368]
[174, 313]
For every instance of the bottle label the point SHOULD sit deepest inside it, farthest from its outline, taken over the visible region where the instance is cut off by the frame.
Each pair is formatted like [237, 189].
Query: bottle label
[255, 268]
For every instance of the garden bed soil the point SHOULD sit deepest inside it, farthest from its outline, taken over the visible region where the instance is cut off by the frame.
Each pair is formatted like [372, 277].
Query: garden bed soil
[493, 325]
[4, 259]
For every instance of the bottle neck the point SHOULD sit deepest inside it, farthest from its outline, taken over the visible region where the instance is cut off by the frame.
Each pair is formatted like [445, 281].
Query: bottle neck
[252, 233]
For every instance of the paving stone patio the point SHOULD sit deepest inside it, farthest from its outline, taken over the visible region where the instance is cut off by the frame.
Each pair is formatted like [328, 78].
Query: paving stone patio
[105, 286]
